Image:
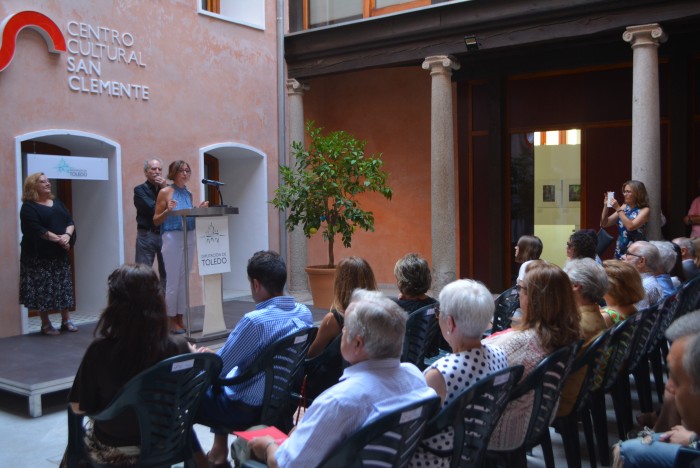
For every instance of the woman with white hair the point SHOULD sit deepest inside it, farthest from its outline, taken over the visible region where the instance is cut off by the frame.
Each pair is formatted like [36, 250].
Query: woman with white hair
[589, 283]
[465, 309]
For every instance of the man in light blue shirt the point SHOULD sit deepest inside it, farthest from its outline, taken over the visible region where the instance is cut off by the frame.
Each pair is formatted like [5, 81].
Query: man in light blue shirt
[375, 383]
[275, 316]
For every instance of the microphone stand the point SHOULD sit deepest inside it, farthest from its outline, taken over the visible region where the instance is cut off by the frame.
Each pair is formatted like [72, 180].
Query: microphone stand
[221, 198]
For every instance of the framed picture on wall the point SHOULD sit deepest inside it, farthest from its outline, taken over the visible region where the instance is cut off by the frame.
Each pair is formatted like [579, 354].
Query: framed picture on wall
[573, 193]
[549, 193]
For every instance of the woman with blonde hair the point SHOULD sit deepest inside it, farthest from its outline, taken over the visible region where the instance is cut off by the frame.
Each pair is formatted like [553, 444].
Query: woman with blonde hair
[48, 234]
[551, 320]
[625, 289]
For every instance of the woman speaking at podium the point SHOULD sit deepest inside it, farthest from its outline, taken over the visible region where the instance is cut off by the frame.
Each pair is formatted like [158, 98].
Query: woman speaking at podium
[173, 198]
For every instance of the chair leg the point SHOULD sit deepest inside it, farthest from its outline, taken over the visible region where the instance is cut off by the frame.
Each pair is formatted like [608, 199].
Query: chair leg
[655, 359]
[568, 429]
[643, 383]
[588, 434]
[548, 454]
[600, 426]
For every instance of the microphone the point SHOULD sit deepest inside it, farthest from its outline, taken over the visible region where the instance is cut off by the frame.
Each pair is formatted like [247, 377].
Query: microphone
[215, 183]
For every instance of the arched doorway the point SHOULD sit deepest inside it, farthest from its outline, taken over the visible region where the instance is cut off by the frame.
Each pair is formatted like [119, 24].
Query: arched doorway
[244, 171]
[97, 212]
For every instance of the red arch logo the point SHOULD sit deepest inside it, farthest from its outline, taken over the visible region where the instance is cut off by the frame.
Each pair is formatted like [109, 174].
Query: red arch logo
[40, 23]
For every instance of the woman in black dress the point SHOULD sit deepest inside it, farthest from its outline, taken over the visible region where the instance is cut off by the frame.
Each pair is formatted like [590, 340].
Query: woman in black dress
[48, 233]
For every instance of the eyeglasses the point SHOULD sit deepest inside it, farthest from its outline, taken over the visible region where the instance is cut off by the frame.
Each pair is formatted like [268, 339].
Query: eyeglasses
[186, 171]
[633, 255]
[520, 287]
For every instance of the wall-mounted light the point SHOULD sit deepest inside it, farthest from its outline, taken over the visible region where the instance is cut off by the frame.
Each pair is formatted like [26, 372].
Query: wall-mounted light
[471, 43]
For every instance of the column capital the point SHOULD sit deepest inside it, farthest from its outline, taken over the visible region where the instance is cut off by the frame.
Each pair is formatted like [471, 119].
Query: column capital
[644, 35]
[296, 87]
[441, 64]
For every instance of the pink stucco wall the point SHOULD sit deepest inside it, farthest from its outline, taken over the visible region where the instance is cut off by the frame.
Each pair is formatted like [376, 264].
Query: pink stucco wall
[210, 81]
[390, 108]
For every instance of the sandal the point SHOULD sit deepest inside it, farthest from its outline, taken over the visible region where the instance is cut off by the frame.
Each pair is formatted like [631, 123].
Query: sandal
[68, 326]
[49, 330]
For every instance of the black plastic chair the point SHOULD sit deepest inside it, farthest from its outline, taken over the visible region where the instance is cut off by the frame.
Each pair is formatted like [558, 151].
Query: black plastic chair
[616, 355]
[658, 347]
[388, 441]
[687, 457]
[506, 304]
[546, 381]
[282, 364]
[591, 362]
[637, 361]
[164, 399]
[473, 415]
[323, 371]
[421, 335]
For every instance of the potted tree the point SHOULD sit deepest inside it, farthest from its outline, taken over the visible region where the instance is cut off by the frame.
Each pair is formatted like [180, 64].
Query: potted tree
[320, 191]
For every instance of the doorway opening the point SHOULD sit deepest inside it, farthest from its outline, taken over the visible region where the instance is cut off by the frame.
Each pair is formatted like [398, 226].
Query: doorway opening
[96, 207]
[545, 185]
[244, 171]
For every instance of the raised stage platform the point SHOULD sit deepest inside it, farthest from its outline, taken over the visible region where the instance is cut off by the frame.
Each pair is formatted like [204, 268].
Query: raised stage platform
[34, 365]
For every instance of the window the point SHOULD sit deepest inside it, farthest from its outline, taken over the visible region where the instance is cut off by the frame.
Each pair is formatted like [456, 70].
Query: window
[319, 13]
[248, 12]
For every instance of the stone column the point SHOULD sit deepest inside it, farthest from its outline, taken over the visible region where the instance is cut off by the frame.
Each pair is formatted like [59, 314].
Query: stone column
[298, 281]
[646, 128]
[442, 168]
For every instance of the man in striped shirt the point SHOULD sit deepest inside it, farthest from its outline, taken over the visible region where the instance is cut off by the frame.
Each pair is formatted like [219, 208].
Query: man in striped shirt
[275, 316]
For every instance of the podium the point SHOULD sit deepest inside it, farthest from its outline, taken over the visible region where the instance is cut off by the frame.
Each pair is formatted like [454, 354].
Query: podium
[214, 327]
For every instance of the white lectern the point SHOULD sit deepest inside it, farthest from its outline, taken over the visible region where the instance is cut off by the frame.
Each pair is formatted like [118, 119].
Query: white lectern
[214, 326]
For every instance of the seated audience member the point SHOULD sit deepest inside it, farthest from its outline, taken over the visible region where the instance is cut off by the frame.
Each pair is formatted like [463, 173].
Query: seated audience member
[624, 291]
[466, 307]
[351, 273]
[413, 279]
[690, 269]
[663, 270]
[646, 259]
[660, 449]
[696, 248]
[275, 316]
[590, 283]
[550, 321]
[132, 334]
[527, 249]
[581, 245]
[677, 274]
[375, 382]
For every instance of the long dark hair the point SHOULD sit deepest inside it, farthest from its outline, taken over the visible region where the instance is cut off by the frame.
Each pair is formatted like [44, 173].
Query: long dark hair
[135, 319]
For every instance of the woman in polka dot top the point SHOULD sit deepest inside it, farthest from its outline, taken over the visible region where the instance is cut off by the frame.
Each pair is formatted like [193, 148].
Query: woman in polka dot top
[465, 310]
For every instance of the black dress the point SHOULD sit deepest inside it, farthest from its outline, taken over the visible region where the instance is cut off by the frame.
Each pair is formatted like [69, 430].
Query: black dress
[45, 281]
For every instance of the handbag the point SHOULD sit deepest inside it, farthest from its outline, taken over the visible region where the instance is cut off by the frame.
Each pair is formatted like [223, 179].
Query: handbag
[604, 241]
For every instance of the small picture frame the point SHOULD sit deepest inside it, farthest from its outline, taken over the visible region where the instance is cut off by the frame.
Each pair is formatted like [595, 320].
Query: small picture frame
[549, 193]
[573, 193]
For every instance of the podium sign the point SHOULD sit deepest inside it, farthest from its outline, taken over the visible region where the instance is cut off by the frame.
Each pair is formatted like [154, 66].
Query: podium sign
[213, 251]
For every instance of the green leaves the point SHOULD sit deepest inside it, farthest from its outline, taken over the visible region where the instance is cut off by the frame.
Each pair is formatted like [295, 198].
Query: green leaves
[319, 190]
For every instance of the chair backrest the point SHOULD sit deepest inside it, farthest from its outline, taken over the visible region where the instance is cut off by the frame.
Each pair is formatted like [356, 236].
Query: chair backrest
[506, 303]
[617, 352]
[473, 415]
[668, 309]
[389, 440]
[690, 299]
[165, 399]
[282, 364]
[323, 371]
[546, 380]
[643, 334]
[593, 362]
[421, 332]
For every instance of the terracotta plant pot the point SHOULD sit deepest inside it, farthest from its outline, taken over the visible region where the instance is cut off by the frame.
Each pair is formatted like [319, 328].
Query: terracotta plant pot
[321, 279]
